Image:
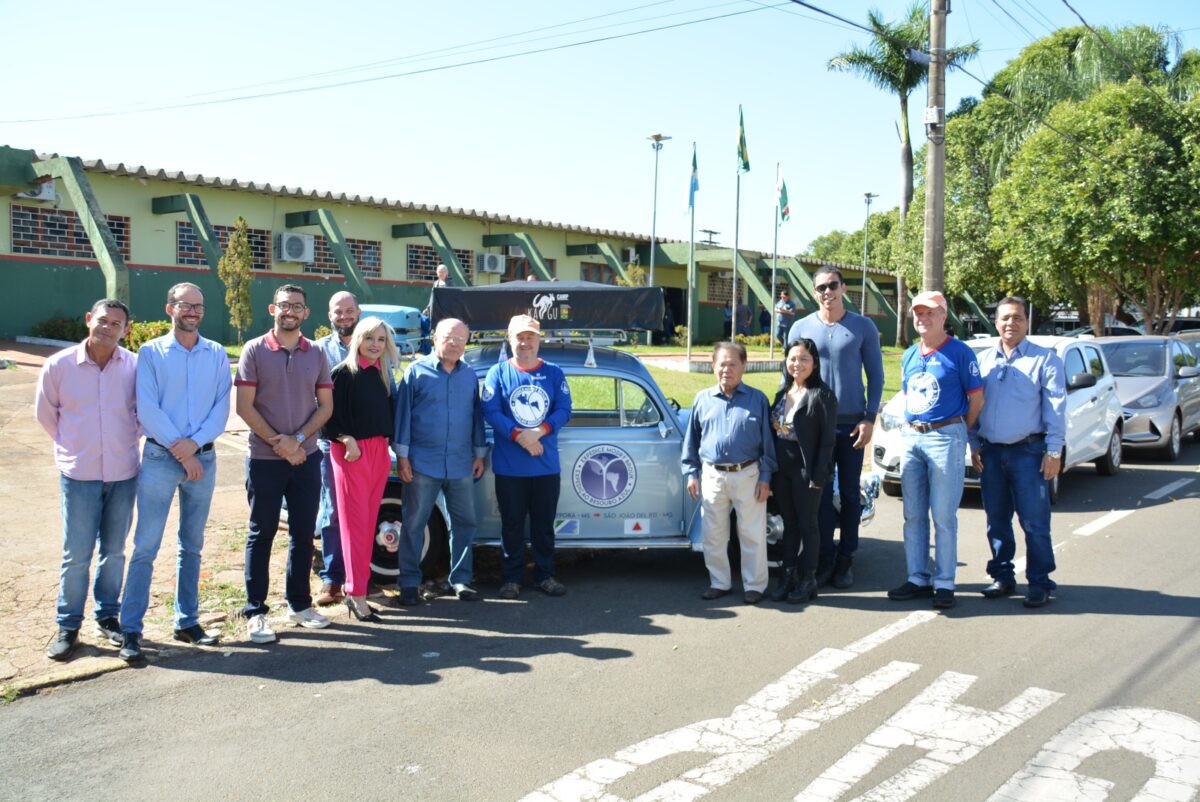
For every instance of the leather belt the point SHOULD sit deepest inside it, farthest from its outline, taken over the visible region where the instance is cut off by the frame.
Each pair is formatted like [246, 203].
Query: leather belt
[924, 426]
[204, 449]
[733, 467]
[1033, 438]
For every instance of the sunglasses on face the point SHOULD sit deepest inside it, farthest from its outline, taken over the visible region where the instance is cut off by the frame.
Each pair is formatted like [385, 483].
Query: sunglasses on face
[830, 287]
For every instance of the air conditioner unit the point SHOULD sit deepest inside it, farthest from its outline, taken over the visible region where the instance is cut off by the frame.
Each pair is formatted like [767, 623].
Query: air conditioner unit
[490, 263]
[630, 255]
[290, 247]
[44, 192]
[515, 251]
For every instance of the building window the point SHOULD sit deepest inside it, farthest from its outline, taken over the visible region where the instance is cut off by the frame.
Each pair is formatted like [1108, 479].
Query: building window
[40, 231]
[597, 272]
[517, 268]
[365, 252]
[189, 252]
[422, 261]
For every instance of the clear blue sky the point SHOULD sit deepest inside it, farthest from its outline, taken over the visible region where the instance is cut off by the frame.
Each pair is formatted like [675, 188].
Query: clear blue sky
[558, 135]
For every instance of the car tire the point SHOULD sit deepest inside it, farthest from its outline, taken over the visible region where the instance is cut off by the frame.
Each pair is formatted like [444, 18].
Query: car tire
[1110, 463]
[892, 489]
[435, 550]
[1174, 446]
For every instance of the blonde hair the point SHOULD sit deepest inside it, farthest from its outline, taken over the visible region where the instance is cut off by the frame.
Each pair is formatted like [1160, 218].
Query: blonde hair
[391, 357]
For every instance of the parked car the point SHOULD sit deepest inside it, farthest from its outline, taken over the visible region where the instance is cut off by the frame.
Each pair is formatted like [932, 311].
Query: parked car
[1112, 331]
[1094, 423]
[622, 483]
[1158, 381]
[404, 320]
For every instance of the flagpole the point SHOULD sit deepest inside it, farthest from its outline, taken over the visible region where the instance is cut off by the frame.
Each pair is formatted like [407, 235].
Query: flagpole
[774, 270]
[691, 286]
[737, 213]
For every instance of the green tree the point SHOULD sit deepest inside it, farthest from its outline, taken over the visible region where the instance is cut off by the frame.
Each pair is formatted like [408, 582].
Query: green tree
[1113, 206]
[884, 63]
[237, 272]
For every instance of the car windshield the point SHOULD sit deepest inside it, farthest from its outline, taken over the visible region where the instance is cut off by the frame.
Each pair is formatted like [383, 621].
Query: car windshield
[1136, 358]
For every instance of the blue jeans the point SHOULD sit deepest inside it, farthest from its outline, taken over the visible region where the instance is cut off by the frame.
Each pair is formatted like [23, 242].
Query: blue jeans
[334, 572]
[849, 462]
[93, 512]
[1012, 479]
[534, 498]
[161, 476]
[268, 483]
[931, 477]
[420, 495]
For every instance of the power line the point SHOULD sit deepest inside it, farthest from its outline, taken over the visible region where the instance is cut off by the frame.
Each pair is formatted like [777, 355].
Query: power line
[1014, 19]
[1036, 14]
[373, 79]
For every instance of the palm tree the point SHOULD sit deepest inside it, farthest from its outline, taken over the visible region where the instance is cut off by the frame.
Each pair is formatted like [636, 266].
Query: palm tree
[884, 62]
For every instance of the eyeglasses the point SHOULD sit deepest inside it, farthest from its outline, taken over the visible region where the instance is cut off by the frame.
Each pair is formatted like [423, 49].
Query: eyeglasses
[830, 287]
[185, 307]
[454, 340]
[284, 306]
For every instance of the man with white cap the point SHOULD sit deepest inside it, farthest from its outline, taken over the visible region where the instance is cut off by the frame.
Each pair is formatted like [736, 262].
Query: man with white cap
[526, 401]
[943, 396]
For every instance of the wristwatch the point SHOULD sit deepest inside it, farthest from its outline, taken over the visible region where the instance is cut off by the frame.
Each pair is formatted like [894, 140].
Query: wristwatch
[300, 438]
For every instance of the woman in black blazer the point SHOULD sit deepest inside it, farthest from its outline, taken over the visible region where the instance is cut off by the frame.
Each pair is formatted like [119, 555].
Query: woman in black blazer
[804, 416]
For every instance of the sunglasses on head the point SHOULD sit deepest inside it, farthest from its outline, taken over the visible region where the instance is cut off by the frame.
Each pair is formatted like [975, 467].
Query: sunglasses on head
[833, 285]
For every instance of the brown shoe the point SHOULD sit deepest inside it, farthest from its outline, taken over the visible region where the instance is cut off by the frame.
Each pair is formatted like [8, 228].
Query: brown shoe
[330, 594]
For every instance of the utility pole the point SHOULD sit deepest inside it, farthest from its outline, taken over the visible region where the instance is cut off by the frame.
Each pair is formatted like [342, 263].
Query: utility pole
[656, 142]
[868, 197]
[933, 274]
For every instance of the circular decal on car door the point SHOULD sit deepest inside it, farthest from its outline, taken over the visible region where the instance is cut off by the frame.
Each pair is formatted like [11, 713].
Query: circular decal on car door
[604, 476]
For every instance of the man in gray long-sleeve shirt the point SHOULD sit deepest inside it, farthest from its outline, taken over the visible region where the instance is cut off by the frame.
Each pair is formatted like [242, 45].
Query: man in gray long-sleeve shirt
[848, 344]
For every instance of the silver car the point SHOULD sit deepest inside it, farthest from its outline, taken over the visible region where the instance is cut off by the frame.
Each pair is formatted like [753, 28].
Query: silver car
[1158, 381]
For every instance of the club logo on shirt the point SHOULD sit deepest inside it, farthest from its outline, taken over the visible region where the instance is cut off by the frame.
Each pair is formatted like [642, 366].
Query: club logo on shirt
[604, 476]
[529, 404]
[922, 393]
[975, 369]
[488, 392]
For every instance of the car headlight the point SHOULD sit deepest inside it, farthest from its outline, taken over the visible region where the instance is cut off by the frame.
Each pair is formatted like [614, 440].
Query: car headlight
[889, 422]
[1149, 400]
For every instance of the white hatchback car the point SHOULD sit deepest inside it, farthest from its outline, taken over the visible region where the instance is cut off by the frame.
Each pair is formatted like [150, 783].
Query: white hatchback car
[1094, 422]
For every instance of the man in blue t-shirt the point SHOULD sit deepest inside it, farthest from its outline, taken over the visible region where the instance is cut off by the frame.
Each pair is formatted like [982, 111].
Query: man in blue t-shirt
[943, 395]
[526, 401]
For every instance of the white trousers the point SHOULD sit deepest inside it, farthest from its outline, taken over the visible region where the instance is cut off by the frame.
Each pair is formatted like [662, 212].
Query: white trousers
[721, 491]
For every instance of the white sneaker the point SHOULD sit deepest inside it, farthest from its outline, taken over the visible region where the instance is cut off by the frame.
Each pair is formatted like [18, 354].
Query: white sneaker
[259, 630]
[309, 618]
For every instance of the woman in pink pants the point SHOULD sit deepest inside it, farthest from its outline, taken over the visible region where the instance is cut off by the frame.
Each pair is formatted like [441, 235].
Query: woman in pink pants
[358, 431]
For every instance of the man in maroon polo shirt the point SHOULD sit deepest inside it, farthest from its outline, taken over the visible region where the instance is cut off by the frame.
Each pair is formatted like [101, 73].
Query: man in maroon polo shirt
[285, 395]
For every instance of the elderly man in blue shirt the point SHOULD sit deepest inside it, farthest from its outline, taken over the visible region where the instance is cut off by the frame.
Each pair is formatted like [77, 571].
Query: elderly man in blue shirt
[1017, 447]
[728, 459]
[440, 448]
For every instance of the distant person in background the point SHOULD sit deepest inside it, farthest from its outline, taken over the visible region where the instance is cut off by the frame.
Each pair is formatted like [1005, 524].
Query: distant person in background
[785, 309]
[764, 320]
[743, 318]
[86, 403]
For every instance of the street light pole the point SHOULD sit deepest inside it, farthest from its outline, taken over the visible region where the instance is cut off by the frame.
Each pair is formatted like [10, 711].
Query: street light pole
[656, 142]
[868, 197]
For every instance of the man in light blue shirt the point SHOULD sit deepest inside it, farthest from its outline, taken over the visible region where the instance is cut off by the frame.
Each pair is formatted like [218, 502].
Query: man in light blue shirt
[440, 446]
[728, 458]
[183, 385]
[1017, 448]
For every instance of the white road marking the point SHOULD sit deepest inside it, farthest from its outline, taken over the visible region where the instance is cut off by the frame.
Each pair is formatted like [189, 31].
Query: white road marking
[1167, 490]
[1172, 741]
[950, 734]
[1101, 522]
[749, 735]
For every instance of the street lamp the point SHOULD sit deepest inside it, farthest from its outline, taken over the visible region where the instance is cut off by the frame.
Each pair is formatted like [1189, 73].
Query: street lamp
[656, 142]
[868, 197]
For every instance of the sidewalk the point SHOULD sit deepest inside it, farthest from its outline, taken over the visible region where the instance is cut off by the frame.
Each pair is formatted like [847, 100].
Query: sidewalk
[32, 548]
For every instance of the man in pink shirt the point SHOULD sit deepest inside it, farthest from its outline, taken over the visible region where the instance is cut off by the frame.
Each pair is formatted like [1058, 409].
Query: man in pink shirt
[86, 403]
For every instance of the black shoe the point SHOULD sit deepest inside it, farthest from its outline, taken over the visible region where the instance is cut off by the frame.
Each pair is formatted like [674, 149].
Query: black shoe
[786, 584]
[714, 593]
[999, 589]
[131, 648]
[409, 597]
[752, 597]
[194, 634]
[109, 629]
[943, 598]
[824, 573]
[63, 645]
[1036, 597]
[805, 591]
[843, 577]
[909, 591]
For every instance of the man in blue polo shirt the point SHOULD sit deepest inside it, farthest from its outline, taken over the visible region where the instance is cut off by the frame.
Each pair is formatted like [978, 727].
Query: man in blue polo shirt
[1017, 449]
[526, 401]
[440, 446]
[943, 395]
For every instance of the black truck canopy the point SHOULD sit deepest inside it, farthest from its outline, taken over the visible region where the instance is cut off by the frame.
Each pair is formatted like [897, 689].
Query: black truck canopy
[557, 305]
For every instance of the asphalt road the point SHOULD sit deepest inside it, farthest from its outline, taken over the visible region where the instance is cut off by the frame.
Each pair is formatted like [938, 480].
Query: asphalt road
[632, 687]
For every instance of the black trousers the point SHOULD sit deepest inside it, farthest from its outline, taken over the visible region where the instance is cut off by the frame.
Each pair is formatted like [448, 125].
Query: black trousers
[798, 504]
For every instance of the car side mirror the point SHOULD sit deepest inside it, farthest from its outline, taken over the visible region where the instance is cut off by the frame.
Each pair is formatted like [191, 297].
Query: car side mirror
[1188, 372]
[1081, 380]
[664, 431]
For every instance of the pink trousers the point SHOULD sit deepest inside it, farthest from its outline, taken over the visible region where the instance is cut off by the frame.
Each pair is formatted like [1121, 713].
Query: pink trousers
[359, 487]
